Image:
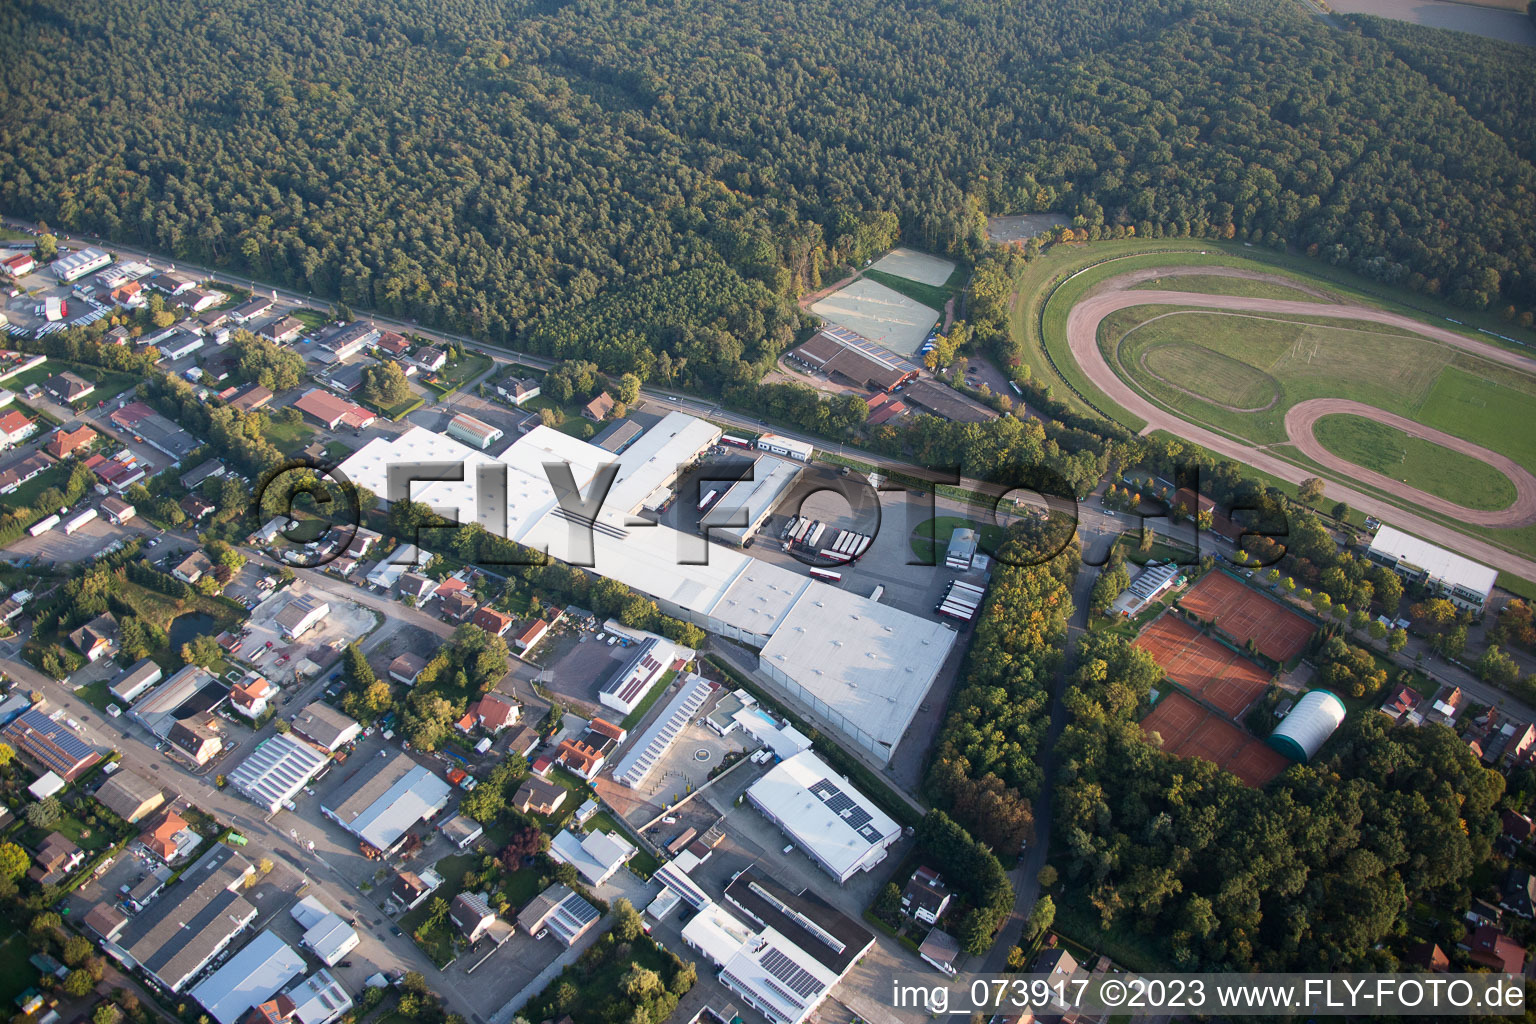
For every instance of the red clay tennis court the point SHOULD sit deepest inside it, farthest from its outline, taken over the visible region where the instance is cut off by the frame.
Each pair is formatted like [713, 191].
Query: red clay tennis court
[1209, 670]
[1189, 730]
[1245, 614]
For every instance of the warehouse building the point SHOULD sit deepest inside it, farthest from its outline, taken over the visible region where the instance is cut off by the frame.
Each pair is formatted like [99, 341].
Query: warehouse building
[626, 689]
[300, 614]
[326, 933]
[664, 731]
[318, 999]
[837, 826]
[191, 691]
[873, 663]
[863, 666]
[1463, 582]
[473, 432]
[781, 951]
[851, 357]
[191, 921]
[277, 770]
[324, 725]
[1304, 730]
[750, 502]
[251, 976]
[379, 803]
[49, 744]
[129, 796]
[75, 265]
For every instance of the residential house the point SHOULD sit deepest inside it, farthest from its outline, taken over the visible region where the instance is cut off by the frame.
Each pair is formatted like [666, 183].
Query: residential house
[1427, 955]
[461, 831]
[193, 568]
[23, 471]
[326, 727]
[56, 857]
[1403, 704]
[457, 605]
[279, 329]
[252, 696]
[471, 914]
[409, 888]
[598, 408]
[1518, 895]
[559, 911]
[586, 754]
[431, 359]
[925, 897]
[65, 443]
[417, 587]
[406, 667]
[393, 344]
[169, 837]
[333, 412]
[197, 738]
[518, 390]
[1446, 706]
[256, 306]
[196, 507]
[596, 857]
[1491, 948]
[68, 387]
[492, 621]
[15, 427]
[536, 796]
[96, 638]
[171, 283]
[250, 398]
[495, 712]
[528, 639]
[1517, 827]
[207, 470]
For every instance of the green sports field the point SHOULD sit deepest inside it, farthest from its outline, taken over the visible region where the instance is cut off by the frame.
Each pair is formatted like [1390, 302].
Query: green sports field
[1417, 462]
[1240, 372]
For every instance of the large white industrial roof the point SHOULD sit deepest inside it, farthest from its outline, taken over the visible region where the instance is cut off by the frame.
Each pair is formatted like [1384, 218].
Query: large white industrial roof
[870, 662]
[823, 812]
[251, 976]
[771, 479]
[378, 803]
[656, 457]
[279, 767]
[1446, 566]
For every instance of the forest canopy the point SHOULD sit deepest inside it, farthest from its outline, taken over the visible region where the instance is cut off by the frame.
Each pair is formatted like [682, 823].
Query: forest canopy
[549, 175]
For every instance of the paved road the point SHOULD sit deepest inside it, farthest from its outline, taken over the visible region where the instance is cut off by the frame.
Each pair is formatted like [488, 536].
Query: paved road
[1082, 339]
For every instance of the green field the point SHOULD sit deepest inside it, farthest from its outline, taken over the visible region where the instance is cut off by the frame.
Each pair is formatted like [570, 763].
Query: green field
[1218, 284]
[933, 296]
[1049, 286]
[1415, 461]
[931, 537]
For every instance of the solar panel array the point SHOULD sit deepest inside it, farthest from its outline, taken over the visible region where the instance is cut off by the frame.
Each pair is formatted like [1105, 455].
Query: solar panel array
[662, 741]
[803, 982]
[842, 805]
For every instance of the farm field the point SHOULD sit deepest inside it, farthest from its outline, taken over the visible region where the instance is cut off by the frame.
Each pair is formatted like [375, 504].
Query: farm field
[1482, 19]
[880, 314]
[1414, 460]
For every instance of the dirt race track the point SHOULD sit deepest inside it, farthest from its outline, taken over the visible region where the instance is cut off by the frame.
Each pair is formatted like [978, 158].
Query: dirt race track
[1303, 416]
[1116, 294]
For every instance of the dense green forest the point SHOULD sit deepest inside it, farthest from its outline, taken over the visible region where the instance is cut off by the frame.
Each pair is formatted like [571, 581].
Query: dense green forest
[1315, 872]
[554, 174]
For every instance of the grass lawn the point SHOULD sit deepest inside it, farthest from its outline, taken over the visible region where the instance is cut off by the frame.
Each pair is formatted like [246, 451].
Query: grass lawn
[396, 413]
[337, 450]
[233, 296]
[1215, 284]
[1417, 462]
[27, 494]
[932, 296]
[521, 886]
[598, 986]
[456, 374]
[16, 974]
[290, 438]
[637, 716]
[931, 537]
[312, 319]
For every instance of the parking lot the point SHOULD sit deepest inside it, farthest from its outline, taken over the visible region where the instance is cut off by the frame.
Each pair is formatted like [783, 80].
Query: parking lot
[68, 548]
